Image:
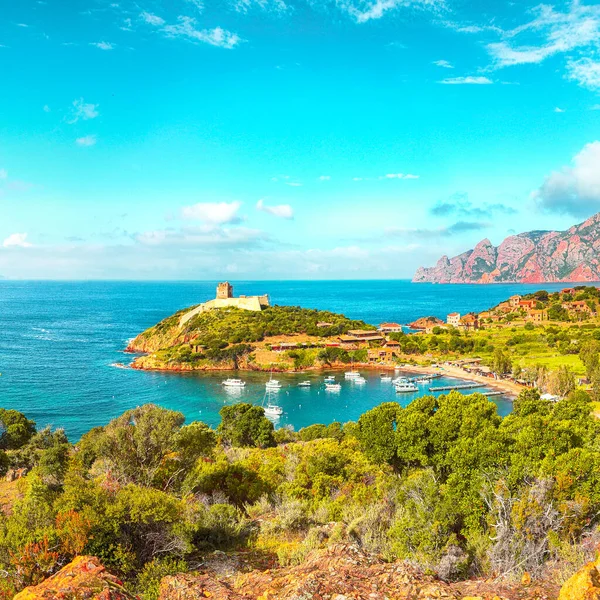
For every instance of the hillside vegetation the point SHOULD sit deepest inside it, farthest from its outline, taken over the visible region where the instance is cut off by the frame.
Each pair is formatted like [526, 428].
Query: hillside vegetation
[444, 483]
[228, 337]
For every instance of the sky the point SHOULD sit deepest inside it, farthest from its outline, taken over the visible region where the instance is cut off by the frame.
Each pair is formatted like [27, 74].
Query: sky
[289, 139]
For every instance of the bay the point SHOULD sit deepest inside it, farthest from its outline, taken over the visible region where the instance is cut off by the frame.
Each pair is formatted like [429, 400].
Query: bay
[60, 340]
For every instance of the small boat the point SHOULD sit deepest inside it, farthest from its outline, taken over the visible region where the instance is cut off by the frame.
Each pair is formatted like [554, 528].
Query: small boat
[351, 374]
[304, 384]
[272, 410]
[273, 384]
[330, 378]
[234, 383]
[359, 380]
[386, 378]
[332, 387]
[406, 387]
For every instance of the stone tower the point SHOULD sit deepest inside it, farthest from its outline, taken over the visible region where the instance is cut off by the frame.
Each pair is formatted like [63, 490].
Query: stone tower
[224, 290]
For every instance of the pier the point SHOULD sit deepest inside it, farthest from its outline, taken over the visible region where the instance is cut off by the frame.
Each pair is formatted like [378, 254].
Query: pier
[464, 386]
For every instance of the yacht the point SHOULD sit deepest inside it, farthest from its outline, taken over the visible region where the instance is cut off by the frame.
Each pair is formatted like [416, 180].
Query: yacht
[359, 380]
[406, 386]
[272, 410]
[304, 384]
[332, 387]
[351, 374]
[234, 383]
[273, 384]
[330, 378]
[386, 378]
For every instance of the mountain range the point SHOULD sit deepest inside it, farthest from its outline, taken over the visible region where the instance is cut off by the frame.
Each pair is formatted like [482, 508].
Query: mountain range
[532, 257]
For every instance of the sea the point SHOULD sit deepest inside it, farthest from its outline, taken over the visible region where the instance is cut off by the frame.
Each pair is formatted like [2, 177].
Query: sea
[61, 344]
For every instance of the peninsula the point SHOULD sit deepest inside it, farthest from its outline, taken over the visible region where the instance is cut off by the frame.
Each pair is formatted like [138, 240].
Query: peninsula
[247, 332]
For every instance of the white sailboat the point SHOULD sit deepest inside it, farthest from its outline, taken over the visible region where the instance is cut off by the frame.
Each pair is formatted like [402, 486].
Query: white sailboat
[271, 409]
[273, 384]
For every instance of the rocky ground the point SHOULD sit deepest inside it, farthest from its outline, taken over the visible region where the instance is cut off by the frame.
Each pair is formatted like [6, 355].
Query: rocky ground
[339, 573]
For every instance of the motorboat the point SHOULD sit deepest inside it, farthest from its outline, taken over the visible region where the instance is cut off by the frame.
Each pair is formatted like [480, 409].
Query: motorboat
[351, 374]
[272, 410]
[386, 378]
[234, 383]
[333, 387]
[304, 384]
[273, 384]
[330, 378]
[406, 387]
[359, 380]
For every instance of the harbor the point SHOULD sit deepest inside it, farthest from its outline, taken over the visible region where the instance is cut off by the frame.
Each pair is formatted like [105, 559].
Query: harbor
[323, 397]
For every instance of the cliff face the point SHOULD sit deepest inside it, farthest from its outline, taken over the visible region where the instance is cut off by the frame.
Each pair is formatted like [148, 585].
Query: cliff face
[533, 257]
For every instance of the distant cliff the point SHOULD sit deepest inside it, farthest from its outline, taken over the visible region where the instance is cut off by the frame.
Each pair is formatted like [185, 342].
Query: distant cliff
[533, 257]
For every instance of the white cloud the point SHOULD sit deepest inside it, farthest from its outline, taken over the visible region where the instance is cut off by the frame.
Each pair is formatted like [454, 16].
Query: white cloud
[444, 64]
[266, 5]
[127, 25]
[585, 72]
[325, 178]
[207, 236]
[293, 183]
[357, 179]
[470, 80]
[83, 110]
[46, 108]
[550, 32]
[88, 140]
[557, 109]
[103, 45]
[399, 176]
[3, 173]
[215, 213]
[16, 240]
[595, 107]
[199, 4]
[186, 27]
[152, 19]
[574, 189]
[366, 10]
[24, 25]
[283, 211]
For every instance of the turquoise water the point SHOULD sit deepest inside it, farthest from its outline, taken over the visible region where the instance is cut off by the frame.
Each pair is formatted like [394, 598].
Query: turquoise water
[59, 340]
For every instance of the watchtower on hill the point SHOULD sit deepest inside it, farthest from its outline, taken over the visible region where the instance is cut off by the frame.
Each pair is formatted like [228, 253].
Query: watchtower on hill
[224, 290]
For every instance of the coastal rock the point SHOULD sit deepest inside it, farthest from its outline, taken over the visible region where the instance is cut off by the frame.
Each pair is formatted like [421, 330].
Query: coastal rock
[84, 578]
[532, 257]
[425, 322]
[584, 585]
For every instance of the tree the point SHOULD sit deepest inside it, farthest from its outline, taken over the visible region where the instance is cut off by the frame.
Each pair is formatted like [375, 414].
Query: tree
[15, 429]
[246, 425]
[561, 382]
[377, 432]
[136, 443]
[501, 362]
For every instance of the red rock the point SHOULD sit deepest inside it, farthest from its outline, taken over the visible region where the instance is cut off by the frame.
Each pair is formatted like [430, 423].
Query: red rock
[533, 257]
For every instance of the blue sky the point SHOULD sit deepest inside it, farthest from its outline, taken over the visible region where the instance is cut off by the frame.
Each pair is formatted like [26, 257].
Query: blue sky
[289, 139]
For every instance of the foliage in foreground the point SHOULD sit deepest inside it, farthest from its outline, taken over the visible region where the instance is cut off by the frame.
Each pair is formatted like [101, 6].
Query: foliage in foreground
[445, 483]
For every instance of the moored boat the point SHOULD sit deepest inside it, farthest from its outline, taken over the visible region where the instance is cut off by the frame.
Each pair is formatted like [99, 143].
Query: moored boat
[333, 387]
[304, 384]
[234, 383]
[406, 387]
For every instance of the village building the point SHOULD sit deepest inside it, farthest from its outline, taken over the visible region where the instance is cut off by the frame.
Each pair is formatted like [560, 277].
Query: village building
[469, 322]
[365, 335]
[570, 291]
[528, 304]
[504, 307]
[537, 316]
[514, 301]
[377, 355]
[225, 299]
[453, 319]
[390, 328]
[578, 306]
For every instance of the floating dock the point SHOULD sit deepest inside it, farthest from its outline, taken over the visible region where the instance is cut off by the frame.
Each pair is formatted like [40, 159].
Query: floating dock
[495, 393]
[464, 386]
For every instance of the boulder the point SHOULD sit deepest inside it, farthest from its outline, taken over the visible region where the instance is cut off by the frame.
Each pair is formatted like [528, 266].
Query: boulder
[584, 585]
[83, 579]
